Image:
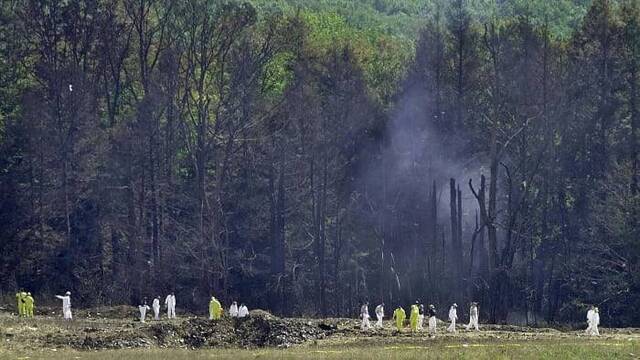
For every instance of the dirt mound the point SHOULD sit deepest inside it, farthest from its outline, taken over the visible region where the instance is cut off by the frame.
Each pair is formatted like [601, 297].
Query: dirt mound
[267, 330]
[121, 339]
[259, 329]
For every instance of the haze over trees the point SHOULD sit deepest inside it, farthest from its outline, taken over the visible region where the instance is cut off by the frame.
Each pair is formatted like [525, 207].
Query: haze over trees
[306, 155]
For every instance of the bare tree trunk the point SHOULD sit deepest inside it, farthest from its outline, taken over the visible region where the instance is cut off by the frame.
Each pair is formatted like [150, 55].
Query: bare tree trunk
[132, 229]
[433, 223]
[456, 243]
[155, 242]
[493, 188]
[454, 220]
[278, 235]
[460, 267]
[65, 189]
[633, 136]
[339, 246]
[323, 235]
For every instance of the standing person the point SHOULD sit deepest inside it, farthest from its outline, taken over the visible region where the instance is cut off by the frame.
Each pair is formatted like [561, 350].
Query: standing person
[212, 308]
[595, 321]
[218, 310]
[23, 299]
[590, 320]
[170, 302]
[243, 311]
[364, 314]
[66, 305]
[156, 308]
[215, 309]
[473, 316]
[413, 317]
[453, 316]
[173, 305]
[233, 309]
[19, 303]
[143, 310]
[29, 304]
[432, 319]
[167, 303]
[379, 315]
[420, 316]
[399, 315]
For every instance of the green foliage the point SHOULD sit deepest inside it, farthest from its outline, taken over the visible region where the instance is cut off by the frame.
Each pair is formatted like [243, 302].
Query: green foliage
[383, 32]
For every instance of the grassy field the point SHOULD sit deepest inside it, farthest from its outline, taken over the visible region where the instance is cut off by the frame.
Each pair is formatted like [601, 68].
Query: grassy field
[48, 337]
[587, 349]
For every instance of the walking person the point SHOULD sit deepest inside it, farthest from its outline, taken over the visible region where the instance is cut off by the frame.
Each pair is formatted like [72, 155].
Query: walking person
[432, 320]
[473, 316]
[399, 315]
[364, 314]
[379, 315]
[453, 316]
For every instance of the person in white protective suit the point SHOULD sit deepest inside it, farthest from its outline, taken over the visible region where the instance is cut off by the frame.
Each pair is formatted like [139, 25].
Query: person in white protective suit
[453, 316]
[595, 321]
[590, 320]
[143, 311]
[420, 316]
[243, 311]
[170, 302]
[364, 314]
[66, 305]
[432, 319]
[156, 308]
[233, 309]
[473, 316]
[379, 315]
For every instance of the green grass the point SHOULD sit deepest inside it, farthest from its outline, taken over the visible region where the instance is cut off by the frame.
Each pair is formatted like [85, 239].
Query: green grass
[563, 349]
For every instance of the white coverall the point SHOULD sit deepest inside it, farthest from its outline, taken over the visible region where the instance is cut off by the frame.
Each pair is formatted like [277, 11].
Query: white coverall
[66, 306]
[243, 311]
[473, 318]
[364, 313]
[233, 310]
[595, 321]
[432, 324]
[170, 301]
[453, 316]
[379, 315]
[420, 316]
[156, 308]
[143, 311]
[589, 329]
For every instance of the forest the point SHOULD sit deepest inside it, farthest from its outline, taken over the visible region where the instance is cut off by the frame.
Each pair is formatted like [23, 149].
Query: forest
[307, 156]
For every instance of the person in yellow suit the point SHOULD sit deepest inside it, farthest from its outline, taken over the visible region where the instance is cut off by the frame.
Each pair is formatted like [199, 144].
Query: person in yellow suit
[215, 309]
[399, 315]
[218, 310]
[413, 317]
[23, 299]
[29, 304]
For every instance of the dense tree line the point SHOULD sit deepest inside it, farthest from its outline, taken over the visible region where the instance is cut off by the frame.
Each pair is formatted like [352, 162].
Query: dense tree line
[286, 159]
